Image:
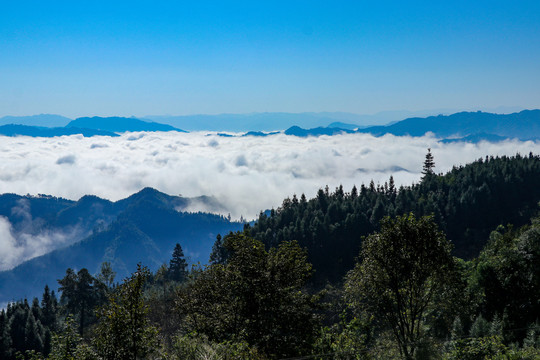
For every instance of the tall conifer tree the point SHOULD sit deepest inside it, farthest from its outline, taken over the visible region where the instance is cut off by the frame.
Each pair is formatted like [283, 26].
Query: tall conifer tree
[178, 265]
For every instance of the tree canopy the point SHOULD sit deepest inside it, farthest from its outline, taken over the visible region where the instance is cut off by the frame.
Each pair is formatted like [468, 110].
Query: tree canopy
[257, 296]
[401, 270]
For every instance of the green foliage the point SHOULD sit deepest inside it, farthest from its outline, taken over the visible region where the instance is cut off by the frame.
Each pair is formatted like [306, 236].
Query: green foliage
[198, 347]
[477, 348]
[256, 297]
[68, 344]
[346, 340]
[506, 277]
[123, 331]
[402, 268]
[480, 327]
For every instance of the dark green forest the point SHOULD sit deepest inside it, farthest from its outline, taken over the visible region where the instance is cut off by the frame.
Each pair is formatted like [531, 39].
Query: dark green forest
[448, 268]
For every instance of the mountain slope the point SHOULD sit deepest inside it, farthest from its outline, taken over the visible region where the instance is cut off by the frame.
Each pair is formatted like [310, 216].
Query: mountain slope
[142, 228]
[34, 225]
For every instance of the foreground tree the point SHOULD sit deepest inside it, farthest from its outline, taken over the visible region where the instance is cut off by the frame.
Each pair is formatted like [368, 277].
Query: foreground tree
[255, 297]
[123, 331]
[402, 269]
[505, 278]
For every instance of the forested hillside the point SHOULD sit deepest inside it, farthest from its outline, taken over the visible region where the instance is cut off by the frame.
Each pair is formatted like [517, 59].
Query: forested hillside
[467, 203]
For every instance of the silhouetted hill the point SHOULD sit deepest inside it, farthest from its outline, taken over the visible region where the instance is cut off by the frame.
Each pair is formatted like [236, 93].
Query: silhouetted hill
[119, 124]
[37, 131]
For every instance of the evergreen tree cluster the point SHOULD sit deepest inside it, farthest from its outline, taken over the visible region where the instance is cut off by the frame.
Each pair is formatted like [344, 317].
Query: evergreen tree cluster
[25, 327]
[468, 202]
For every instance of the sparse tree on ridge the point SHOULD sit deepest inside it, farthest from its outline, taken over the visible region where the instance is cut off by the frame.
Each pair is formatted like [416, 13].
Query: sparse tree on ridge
[429, 164]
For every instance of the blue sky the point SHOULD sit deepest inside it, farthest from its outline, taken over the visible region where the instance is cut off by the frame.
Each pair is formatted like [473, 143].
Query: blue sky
[138, 58]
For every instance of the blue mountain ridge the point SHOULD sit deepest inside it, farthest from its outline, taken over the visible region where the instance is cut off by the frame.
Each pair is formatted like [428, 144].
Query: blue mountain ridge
[86, 126]
[141, 228]
[463, 126]
[38, 131]
[469, 126]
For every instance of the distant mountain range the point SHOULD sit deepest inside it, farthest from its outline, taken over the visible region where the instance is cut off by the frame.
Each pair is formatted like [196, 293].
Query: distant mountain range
[524, 125]
[141, 228]
[94, 126]
[462, 126]
[267, 122]
[273, 121]
[39, 131]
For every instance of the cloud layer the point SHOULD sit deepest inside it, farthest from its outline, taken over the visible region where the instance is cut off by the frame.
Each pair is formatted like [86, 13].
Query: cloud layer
[247, 174]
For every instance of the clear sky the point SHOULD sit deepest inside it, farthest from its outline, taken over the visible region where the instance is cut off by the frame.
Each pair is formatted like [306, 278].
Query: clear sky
[79, 58]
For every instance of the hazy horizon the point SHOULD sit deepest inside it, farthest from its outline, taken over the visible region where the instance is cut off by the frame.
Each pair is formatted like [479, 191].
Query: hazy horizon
[419, 112]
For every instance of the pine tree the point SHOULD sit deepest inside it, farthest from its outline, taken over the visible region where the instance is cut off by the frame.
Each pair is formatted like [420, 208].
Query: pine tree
[16, 327]
[219, 252]
[178, 265]
[32, 334]
[5, 339]
[480, 328]
[36, 310]
[429, 164]
[48, 309]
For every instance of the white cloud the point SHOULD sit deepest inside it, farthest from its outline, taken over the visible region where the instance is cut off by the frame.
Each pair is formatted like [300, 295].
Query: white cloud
[30, 241]
[247, 174]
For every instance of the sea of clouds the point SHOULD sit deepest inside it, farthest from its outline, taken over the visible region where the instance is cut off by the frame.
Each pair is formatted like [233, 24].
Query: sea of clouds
[245, 174]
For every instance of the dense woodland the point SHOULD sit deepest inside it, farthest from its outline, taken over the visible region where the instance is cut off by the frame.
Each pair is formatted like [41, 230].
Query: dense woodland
[445, 269]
